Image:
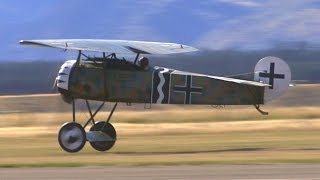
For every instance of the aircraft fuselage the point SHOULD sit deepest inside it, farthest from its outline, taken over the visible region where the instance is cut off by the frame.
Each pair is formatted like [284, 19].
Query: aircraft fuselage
[116, 82]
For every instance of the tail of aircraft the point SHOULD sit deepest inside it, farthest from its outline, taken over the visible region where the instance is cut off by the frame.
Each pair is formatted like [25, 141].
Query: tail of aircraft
[275, 72]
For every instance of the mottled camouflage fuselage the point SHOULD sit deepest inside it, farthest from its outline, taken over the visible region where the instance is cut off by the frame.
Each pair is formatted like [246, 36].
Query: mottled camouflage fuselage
[124, 82]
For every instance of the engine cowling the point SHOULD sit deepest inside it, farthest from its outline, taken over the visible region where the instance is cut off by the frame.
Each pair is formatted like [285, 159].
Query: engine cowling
[62, 80]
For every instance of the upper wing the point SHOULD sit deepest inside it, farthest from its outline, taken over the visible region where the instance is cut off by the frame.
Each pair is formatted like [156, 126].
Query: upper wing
[113, 46]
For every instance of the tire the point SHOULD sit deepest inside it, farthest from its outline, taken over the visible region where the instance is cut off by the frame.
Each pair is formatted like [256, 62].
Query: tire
[109, 130]
[72, 137]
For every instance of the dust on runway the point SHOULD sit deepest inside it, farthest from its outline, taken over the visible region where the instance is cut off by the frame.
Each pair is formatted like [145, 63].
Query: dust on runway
[285, 171]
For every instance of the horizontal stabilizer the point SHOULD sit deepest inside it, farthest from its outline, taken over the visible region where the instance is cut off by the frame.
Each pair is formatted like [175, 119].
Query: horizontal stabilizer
[227, 79]
[240, 81]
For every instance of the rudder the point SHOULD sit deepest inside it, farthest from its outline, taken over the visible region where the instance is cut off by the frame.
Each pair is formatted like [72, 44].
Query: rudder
[275, 72]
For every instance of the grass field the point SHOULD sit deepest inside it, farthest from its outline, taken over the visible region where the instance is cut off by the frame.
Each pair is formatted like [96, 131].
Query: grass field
[187, 135]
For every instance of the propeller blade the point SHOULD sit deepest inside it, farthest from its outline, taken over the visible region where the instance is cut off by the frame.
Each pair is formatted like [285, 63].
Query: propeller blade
[54, 86]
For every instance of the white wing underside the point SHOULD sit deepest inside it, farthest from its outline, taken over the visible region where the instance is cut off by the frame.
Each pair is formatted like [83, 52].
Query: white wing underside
[112, 46]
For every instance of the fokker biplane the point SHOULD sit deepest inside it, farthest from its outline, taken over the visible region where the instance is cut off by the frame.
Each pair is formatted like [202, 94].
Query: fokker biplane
[112, 79]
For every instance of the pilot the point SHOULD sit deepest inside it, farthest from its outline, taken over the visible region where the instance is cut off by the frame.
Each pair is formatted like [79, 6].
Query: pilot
[143, 63]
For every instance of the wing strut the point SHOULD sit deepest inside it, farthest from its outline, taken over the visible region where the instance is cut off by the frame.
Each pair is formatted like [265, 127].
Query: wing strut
[136, 59]
[78, 58]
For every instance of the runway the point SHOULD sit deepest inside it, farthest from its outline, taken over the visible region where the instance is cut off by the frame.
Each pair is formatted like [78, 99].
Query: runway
[282, 172]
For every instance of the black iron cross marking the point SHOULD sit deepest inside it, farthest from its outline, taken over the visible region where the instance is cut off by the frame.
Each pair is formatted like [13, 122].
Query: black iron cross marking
[271, 75]
[188, 89]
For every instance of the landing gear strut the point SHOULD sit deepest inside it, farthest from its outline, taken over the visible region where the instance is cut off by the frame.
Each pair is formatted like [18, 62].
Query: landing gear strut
[102, 135]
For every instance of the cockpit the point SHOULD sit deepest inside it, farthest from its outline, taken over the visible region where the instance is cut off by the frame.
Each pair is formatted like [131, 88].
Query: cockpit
[116, 63]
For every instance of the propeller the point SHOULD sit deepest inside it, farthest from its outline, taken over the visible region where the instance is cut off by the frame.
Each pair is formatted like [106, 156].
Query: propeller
[54, 86]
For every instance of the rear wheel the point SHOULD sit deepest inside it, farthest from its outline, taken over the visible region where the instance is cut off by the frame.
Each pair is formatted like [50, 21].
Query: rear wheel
[108, 129]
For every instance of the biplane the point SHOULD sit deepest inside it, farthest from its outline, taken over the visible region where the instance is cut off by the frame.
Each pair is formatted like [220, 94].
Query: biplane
[109, 78]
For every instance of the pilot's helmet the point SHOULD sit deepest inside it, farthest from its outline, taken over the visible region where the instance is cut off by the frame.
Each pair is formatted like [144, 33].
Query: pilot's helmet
[143, 62]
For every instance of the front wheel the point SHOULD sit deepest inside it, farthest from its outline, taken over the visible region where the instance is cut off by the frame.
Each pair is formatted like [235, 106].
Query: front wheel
[72, 137]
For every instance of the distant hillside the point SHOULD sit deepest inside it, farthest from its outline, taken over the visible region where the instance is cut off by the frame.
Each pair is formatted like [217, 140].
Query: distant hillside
[28, 77]
[38, 76]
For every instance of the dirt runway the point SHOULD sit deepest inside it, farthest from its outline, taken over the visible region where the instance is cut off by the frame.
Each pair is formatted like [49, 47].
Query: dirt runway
[283, 172]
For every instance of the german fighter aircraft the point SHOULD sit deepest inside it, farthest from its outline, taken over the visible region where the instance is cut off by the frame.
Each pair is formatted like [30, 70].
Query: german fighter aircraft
[112, 79]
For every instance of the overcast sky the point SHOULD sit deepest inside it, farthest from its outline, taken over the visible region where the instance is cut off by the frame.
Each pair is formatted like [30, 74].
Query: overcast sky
[209, 24]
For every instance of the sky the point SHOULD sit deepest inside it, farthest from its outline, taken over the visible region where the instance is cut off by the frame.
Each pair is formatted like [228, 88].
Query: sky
[205, 24]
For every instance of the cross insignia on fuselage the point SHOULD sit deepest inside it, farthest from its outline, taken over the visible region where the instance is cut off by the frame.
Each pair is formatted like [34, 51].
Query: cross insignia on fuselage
[188, 89]
[271, 75]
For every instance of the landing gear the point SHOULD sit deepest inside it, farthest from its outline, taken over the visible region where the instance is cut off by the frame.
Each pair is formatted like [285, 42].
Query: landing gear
[102, 135]
[72, 137]
[107, 142]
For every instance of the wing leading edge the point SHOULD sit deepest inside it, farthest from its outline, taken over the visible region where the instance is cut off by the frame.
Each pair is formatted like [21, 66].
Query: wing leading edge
[112, 46]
